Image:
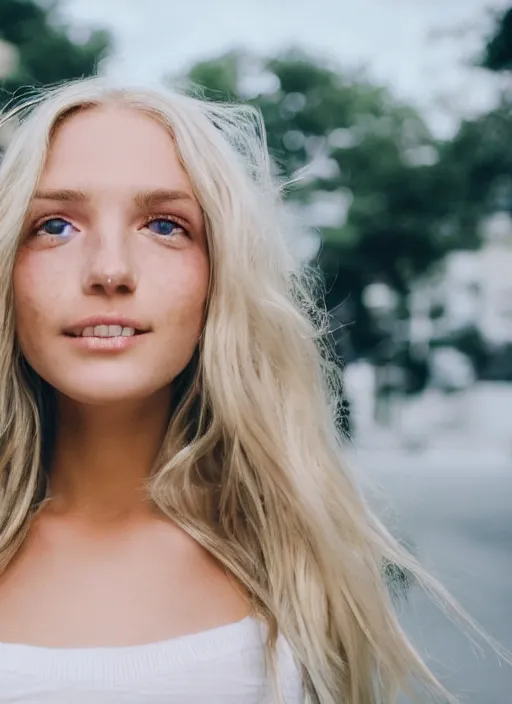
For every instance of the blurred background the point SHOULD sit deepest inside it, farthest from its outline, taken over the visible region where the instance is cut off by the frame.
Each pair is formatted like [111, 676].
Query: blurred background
[395, 116]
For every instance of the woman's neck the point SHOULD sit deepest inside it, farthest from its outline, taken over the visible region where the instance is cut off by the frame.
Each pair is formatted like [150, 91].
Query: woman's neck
[103, 455]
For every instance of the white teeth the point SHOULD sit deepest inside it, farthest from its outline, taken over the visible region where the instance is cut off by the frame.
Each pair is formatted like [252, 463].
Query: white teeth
[107, 331]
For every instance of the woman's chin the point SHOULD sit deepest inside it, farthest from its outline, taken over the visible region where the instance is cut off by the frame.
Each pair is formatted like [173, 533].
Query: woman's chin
[110, 392]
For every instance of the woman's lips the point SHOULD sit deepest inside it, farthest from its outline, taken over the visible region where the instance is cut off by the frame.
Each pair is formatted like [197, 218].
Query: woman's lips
[106, 326]
[117, 343]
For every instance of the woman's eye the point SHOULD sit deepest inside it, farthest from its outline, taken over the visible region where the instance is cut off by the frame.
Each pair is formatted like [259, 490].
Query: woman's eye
[164, 227]
[56, 227]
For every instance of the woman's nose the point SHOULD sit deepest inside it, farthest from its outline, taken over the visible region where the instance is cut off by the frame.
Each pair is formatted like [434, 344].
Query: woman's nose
[110, 283]
[110, 268]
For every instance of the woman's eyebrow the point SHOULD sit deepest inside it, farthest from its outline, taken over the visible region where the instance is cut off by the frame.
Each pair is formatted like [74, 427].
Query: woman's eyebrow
[152, 199]
[143, 199]
[66, 195]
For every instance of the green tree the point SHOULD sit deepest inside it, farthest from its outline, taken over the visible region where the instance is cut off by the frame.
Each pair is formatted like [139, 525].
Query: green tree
[498, 50]
[477, 162]
[367, 152]
[46, 50]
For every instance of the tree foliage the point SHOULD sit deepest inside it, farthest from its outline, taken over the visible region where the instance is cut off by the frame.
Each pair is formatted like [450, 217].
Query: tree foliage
[402, 198]
[46, 49]
[498, 50]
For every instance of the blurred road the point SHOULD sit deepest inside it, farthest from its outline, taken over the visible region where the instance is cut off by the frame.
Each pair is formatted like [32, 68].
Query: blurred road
[459, 517]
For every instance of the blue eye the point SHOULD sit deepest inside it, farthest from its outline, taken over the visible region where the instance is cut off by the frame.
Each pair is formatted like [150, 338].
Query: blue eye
[164, 227]
[55, 227]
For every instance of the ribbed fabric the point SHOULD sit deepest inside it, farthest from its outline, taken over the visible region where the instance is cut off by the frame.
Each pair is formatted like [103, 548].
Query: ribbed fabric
[219, 666]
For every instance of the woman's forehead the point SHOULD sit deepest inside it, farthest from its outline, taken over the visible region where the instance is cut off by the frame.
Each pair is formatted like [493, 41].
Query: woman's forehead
[114, 146]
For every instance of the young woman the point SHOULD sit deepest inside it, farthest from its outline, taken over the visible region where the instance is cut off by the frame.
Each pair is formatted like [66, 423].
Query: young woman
[176, 524]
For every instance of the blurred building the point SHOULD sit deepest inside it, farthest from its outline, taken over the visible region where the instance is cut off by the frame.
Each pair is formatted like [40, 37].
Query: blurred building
[8, 59]
[495, 274]
[472, 290]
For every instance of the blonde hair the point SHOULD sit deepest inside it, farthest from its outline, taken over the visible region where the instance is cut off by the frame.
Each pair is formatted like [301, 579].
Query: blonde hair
[252, 465]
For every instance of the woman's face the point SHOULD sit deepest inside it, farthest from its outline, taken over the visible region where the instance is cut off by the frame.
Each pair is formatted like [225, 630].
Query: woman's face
[110, 282]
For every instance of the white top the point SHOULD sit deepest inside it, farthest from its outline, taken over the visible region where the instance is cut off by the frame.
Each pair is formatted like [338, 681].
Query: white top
[222, 665]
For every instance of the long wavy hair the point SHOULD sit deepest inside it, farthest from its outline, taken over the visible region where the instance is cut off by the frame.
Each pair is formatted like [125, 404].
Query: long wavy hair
[252, 464]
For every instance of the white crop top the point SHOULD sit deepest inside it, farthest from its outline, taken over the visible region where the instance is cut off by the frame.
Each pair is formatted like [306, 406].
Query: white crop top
[224, 665]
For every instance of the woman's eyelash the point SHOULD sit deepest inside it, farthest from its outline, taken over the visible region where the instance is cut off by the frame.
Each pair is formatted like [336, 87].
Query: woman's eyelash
[55, 220]
[171, 220]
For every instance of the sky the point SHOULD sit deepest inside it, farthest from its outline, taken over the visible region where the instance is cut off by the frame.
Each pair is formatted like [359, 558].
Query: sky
[416, 47]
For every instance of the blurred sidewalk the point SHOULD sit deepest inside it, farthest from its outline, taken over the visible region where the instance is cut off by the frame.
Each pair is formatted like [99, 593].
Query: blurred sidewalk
[434, 460]
[469, 430]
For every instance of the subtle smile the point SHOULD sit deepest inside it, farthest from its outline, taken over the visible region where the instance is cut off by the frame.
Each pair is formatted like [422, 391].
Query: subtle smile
[104, 334]
[106, 331]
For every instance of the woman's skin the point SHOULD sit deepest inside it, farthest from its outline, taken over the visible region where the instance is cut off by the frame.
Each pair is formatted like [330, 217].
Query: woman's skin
[115, 233]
